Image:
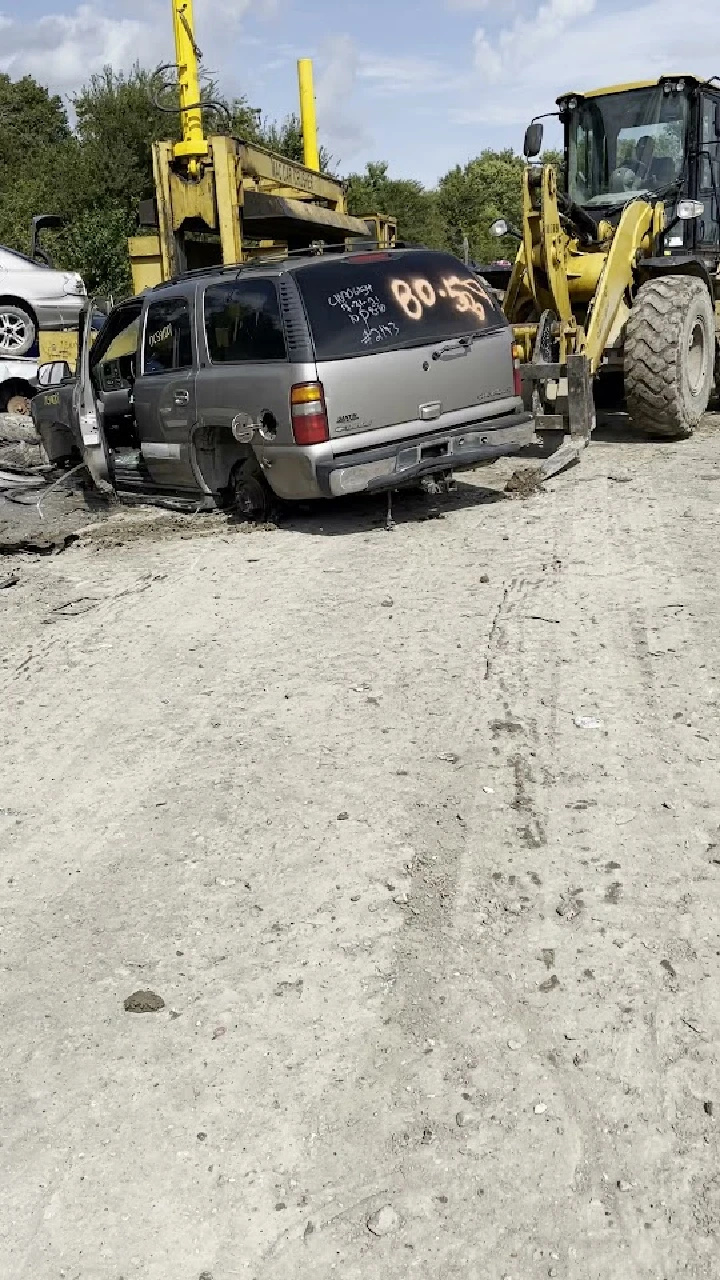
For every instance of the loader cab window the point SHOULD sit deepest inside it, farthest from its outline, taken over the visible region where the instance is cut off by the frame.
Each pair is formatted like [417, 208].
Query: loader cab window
[708, 225]
[167, 342]
[114, 354]
[625, 145]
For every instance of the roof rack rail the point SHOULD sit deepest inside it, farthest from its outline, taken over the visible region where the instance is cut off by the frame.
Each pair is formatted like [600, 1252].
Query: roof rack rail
[316, 249]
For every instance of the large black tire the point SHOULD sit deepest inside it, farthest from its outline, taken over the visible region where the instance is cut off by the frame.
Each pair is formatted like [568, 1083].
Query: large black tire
[669, 356]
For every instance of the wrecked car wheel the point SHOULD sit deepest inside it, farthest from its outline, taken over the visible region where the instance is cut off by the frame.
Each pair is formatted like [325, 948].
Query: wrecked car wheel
[250, 496]
[18, 405]
[18, 329]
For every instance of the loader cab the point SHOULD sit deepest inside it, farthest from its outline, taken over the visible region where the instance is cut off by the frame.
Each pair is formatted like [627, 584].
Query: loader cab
[655, 140]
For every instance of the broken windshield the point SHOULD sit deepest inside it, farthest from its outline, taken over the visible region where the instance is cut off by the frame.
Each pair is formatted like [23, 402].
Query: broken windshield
[624, 145]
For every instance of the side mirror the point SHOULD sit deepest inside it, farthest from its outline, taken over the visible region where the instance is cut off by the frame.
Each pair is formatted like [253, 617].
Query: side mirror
[532, 146]
[43, 222]
[52, 374]
[717, 119]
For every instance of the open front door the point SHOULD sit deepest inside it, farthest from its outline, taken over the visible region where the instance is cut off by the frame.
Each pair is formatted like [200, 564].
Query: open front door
[85, 410]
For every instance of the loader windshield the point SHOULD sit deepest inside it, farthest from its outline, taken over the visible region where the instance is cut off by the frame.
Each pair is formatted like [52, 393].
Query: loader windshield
[625, 145]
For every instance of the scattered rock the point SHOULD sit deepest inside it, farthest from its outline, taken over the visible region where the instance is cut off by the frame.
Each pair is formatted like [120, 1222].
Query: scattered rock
[547, 955]
[310, 1227]
[514, 1045]
[383, 1222]
[401, 899]
[205, 1275]
[670, 971]
[343, 817]
[540, 1108]
[620, 477]
[201, 1137]
[524, 482]
[218, 1032]
[708, 1108]
[550, 983]
[143, 1002]
[284, 988]
[570, 905]
[387, 603]
[355, 897]
[461, 1119]
[614, 892]
[484, 578]
[11, 581]
[449, 757]
[587, 722]
[623, 1186]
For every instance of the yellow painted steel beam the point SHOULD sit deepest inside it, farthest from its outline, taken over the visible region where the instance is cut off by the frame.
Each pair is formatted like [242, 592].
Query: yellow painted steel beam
[308, 121]
[194, 145]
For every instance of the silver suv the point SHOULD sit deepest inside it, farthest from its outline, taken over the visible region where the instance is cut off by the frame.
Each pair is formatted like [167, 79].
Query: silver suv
[306, 377]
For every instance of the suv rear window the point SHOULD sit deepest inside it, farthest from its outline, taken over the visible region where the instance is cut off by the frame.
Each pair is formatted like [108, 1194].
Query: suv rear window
[380, 301]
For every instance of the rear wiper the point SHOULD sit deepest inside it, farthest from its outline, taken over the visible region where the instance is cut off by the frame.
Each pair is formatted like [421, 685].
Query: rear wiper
[458, 346]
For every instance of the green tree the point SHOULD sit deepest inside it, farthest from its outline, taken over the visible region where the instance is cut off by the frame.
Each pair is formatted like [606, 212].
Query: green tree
[472, 196]
[35, 143]
[414, 207]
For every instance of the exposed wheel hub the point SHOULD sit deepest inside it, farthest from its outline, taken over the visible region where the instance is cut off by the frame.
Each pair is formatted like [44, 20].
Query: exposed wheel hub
[696, 357]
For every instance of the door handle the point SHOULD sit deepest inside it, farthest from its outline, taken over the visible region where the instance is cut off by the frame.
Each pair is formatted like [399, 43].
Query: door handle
[181, 397]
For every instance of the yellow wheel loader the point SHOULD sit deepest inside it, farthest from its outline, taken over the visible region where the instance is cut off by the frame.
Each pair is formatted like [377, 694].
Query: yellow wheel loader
[616, 276]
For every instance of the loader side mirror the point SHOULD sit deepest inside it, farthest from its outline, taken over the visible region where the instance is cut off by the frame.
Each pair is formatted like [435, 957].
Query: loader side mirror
[717, 119]
[532, 146]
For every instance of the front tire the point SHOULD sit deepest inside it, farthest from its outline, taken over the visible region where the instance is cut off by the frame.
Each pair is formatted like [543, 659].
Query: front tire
[669, 356]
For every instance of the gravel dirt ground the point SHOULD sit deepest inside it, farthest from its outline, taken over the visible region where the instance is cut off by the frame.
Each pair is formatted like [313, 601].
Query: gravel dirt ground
[416, 835]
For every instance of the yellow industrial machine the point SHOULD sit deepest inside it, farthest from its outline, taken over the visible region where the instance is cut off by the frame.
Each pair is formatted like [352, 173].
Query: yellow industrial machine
[617, 272]
[221, 200]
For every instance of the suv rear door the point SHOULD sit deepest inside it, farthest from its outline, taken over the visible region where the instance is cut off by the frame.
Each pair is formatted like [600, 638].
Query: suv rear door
[164, 393]
[405, 336]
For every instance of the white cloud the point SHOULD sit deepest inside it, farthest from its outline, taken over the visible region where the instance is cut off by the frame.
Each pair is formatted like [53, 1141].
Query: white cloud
[560, 45]
[339, 116]
[391, 75]
[64, 49]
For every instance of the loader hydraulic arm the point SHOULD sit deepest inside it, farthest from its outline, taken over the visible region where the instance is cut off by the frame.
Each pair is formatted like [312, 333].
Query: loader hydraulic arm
[579, 271]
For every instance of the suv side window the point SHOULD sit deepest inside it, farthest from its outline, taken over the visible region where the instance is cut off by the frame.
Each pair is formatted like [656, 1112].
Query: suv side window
[167, 345]
[242, 322]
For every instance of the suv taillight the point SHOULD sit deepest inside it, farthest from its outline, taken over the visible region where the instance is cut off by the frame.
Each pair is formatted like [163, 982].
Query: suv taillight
[517, 379]
[308, 413]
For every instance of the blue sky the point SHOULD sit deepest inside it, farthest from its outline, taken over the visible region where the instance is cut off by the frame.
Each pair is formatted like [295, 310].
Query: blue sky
[423, 85]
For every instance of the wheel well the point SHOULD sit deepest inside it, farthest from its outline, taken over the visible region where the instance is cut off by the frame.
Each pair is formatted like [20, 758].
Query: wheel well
[652, 268]
[14, 387]
[216, 452]
[19, 302]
